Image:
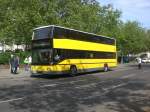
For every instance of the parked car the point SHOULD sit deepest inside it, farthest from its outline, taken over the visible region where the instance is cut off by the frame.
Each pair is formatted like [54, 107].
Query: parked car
[145, 60]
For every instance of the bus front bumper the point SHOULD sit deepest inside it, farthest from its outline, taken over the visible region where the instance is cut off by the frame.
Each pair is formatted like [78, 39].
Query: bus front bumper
[39, 73]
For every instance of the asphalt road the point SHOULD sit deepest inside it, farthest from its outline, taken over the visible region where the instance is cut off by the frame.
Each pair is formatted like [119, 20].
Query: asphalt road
[125, 89]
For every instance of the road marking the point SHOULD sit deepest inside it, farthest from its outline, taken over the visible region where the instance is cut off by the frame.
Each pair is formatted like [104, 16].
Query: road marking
[77, 81]
[128, 76]
[11, 100]
[91, 84]
[50, 85]
[106, 90]
[86, 86]
[113, 87]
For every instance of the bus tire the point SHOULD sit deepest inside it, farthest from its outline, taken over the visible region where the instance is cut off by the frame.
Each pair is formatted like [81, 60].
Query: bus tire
[106, 68]
[73, 70]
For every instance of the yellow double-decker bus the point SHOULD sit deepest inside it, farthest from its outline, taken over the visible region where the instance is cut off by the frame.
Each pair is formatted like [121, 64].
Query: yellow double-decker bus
[57, 50]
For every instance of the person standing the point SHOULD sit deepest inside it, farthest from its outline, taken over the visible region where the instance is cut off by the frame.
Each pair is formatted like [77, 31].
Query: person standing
[16, 64]
[30, 61]
[26, 62]
[11, 63]
[139, 63]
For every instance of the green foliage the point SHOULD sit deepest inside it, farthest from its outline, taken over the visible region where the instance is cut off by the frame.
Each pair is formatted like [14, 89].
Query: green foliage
[19, 17]
[4, 57]
[133, 38]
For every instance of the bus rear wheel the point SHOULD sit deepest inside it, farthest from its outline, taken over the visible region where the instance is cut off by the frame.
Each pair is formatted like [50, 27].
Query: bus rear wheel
[73, 70]
[106, 68]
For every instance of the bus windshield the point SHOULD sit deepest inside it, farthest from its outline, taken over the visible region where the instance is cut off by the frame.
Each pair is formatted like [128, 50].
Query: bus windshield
[42, 56]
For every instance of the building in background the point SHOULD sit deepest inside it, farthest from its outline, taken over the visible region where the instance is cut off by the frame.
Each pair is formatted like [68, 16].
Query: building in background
[13, 47]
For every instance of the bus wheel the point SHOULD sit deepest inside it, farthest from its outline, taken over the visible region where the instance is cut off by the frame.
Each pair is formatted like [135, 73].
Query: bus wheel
[73, 70]
[106, 67]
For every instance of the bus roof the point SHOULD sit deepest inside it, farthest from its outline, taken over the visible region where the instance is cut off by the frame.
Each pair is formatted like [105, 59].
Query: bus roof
[71, 29]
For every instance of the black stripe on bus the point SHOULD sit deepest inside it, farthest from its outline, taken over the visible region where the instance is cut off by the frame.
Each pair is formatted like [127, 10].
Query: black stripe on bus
[71, 54]
[75, 35]
[83, 54]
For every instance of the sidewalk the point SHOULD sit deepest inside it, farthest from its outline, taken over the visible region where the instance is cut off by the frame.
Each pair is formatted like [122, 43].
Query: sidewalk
[125, 65]
[5, 73]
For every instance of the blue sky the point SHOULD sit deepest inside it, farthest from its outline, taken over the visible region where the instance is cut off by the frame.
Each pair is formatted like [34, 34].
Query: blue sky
[138, 10]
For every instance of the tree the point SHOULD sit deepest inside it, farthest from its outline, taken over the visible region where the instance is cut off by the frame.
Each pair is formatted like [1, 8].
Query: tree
[133, 38]
[19, 17]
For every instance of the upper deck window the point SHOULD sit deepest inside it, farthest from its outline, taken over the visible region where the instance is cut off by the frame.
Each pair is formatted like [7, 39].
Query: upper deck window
[42, 33]
[83, 36]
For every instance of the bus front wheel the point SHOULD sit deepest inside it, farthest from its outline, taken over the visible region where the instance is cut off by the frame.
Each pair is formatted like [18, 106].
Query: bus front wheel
[73, 70]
